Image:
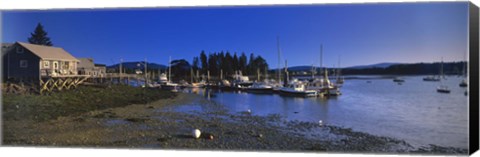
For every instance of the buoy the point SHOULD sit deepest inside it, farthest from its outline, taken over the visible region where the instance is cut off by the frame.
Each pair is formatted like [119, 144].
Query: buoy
[210, 137]
[320, 122]
[196, 133]
[260, 135]
[249, 111]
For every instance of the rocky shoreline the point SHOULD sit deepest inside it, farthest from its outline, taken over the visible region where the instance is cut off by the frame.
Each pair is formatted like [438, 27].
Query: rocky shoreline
[162, 125]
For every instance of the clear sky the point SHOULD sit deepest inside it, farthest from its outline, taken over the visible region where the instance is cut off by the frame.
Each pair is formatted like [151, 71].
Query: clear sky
[359, 34]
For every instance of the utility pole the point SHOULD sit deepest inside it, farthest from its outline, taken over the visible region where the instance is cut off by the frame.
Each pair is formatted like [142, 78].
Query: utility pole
[120, 70]
[146, 78]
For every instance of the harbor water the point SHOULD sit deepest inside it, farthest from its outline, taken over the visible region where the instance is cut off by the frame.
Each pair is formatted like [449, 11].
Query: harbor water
[412, 111]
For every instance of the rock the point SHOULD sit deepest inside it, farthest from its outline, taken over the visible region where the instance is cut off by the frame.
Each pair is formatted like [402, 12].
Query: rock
[196, 133]
[260, 135]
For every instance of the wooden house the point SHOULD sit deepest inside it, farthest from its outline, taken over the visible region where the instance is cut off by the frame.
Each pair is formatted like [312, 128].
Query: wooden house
[29, 62]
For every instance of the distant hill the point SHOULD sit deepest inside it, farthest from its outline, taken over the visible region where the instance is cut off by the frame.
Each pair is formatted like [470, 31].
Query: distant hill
[134, 65]
[309, 68]
[392, 68]
[378, 65]
[298, 68]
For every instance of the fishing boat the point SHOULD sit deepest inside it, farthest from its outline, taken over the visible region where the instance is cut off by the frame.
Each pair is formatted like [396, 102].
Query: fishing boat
[323, 86]
[442, 88]
[297, 88]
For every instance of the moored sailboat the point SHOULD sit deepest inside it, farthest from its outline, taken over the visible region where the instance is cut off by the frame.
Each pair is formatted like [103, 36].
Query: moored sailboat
[442, 88]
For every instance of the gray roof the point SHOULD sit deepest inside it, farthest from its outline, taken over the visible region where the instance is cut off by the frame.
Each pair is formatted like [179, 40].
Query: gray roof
[48, 52]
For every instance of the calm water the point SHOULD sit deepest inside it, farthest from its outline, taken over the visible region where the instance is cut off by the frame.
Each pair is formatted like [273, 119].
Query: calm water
[413, 111]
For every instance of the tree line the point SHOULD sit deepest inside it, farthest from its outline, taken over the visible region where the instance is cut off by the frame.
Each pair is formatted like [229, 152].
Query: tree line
[229, 64]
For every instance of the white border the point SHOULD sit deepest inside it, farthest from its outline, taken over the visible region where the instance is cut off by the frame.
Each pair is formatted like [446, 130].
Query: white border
[68, 4]
[72, 4]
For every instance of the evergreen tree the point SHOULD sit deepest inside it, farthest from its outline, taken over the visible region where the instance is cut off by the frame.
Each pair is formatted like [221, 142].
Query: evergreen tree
[242, 62]
[235, 62]
[39, 37]
[228, 64]
[212, 64]
[195, 63]
[251, 69]
[204, 60]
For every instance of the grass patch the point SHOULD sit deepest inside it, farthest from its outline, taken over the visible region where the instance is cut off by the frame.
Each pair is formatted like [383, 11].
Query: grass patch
[76, 101]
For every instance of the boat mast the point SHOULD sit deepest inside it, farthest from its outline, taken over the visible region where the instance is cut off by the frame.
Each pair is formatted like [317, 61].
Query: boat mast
[338, 68]
[169, 68]
[258, 74]
[279, 60]
[313, 72]
[285, 81]
[191, 75]
[321, 59]
[221, 74]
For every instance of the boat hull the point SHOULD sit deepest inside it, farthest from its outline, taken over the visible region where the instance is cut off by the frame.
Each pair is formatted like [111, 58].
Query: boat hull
[260, 90]
[297, 93]
[443, 91]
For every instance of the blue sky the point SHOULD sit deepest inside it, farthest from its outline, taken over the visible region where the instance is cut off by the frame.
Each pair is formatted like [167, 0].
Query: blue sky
[357, 33]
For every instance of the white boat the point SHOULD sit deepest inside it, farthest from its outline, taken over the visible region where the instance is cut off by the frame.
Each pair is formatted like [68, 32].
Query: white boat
[260, 87]
[398, 79]
[443, 89]
[297, 88]
[431, 78]
[241, 81]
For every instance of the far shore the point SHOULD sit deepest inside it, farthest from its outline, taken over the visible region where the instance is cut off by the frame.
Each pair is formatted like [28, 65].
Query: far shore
[154, 122]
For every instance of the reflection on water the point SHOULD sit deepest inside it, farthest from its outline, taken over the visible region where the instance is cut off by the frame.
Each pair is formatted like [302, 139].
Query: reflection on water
[412, 111]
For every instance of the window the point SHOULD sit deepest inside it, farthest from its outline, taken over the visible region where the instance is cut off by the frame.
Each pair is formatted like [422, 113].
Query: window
[46, 64]
[23, 63]
[19, 49]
